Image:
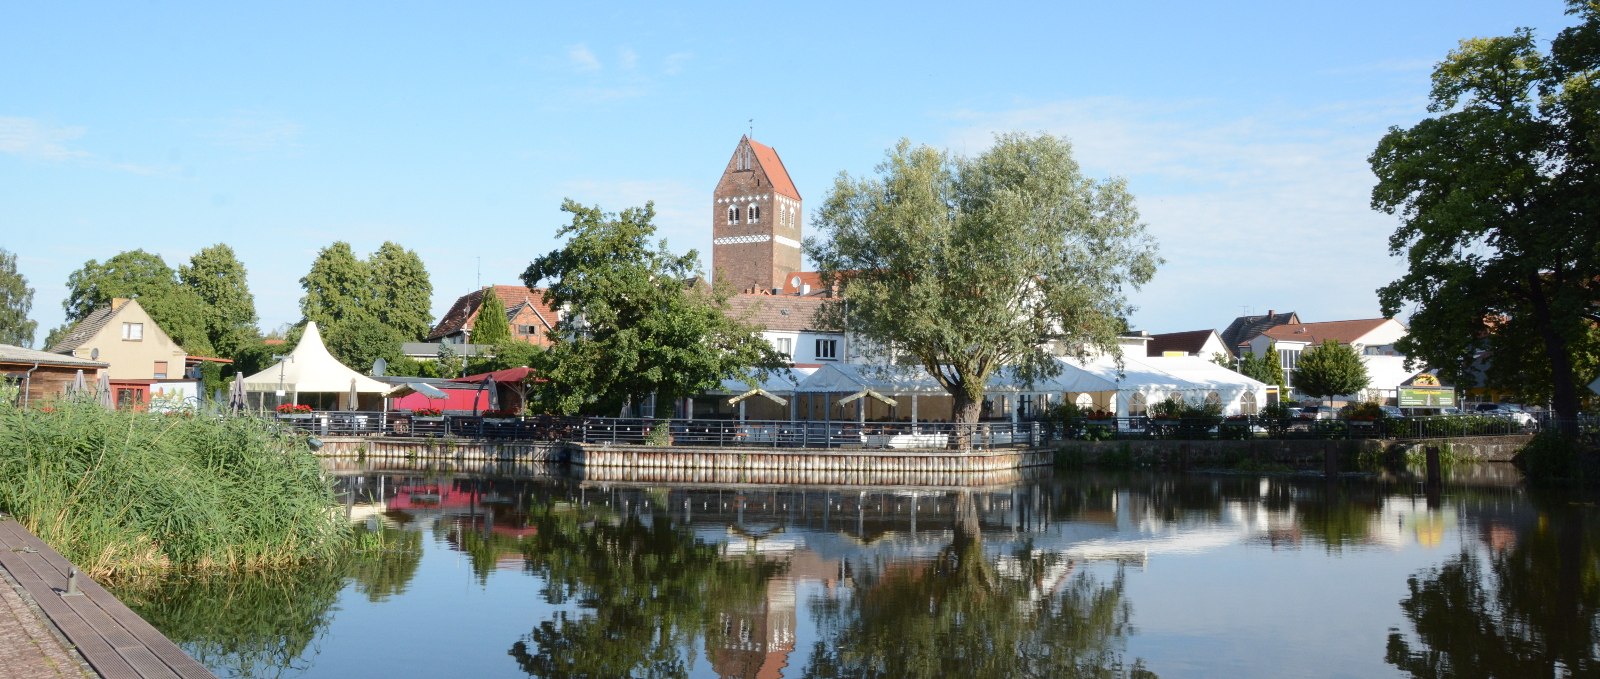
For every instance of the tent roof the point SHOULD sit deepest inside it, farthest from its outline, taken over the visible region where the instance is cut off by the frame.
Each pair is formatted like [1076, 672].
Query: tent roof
[777, 382]
[1136, 374]
[311, 369]
[846, 378]
[1202, 372]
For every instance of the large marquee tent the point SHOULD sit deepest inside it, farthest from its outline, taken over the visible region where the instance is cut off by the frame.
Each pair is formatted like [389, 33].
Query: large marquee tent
[309, 374]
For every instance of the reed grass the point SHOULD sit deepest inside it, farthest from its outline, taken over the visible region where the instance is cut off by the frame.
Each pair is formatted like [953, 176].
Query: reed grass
[125, 493]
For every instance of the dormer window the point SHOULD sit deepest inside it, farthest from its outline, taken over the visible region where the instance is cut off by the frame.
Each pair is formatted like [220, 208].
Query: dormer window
[755, 213]
[733, 214]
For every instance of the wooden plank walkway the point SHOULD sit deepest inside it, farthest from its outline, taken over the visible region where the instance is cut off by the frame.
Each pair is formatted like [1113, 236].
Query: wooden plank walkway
[115, 641]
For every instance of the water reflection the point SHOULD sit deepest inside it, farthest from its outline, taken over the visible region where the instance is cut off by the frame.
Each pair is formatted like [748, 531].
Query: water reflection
[1058, 577]
[1527, 606]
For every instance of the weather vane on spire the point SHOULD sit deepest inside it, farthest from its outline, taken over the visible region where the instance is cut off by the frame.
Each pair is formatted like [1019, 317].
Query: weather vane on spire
[752, 123]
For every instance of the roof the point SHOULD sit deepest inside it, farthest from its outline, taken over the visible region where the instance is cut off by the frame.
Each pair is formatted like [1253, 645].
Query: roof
[509, 375]
[464, 313]
[778, 313]
[1346, 332]
[310, 369]
[773, 166]
[811, 278]
[1245, 328]
[15, 354]
[87, 328]
[432, 349]
[1189, 341]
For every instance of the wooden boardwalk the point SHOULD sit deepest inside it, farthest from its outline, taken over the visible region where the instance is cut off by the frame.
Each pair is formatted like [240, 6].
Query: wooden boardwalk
[116, 642]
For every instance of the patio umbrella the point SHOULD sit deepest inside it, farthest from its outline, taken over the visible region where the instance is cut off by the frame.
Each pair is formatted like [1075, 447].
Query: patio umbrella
[354, 395]
[103, 389]
[78, 385]
[236, 395]
[494, 393]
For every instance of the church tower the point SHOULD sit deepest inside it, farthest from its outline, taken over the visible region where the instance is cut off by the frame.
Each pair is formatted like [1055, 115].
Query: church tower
[755, 220]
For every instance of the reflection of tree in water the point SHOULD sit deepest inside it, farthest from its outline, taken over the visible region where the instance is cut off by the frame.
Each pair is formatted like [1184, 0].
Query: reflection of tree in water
[1335, 517]
[385, 560]
[245, 625]
[1532, 614]
[956, 616]
[647, 589]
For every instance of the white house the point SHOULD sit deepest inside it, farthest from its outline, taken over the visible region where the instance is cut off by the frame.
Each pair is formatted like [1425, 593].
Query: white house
[1372, 338]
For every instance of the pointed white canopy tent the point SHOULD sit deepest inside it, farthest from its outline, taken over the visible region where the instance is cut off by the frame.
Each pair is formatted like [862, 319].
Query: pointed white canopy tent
[309, 369]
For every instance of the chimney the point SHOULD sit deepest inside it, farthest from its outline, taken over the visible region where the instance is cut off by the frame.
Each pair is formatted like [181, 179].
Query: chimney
[805, 289]
[1271, 313]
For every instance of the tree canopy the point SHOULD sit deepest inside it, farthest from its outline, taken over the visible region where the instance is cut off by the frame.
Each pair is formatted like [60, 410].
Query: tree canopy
[218, 278]
[636, 320]
[1266, 368]
[367, 308]
[1500, 212]
[1330, 369]
[137, 274]
[491, 326]
[968, 265]
[16, 299]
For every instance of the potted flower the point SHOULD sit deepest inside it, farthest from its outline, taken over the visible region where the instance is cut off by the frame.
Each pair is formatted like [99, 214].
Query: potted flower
[427, 414]
[294, 411]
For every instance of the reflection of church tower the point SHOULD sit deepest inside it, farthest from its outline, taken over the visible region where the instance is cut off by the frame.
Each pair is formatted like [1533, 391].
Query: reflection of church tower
[756, 220]
[755, 642]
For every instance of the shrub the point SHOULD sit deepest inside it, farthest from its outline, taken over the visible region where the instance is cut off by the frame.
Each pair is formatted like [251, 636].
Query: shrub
[1551, 458]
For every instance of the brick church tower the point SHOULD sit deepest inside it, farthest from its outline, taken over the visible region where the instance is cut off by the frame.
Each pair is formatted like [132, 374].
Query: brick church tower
[755, 220]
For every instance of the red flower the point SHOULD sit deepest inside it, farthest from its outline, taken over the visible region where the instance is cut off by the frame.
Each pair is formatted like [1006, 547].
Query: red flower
[293, 409]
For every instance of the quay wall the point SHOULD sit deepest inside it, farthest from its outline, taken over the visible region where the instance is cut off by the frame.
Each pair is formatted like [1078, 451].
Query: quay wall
[1295, 452]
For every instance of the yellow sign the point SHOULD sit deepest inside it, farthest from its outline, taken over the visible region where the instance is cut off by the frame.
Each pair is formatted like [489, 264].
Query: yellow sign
[1174, 354]
[1425, 380]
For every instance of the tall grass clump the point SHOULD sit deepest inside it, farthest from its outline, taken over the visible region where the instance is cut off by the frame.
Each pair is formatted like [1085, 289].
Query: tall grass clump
[125, 493]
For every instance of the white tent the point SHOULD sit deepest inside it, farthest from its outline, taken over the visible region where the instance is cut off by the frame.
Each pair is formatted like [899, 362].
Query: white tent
[1236, 392]
[310, 369]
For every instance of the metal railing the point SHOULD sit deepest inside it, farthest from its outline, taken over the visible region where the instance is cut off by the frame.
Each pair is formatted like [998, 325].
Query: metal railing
[1255, 426]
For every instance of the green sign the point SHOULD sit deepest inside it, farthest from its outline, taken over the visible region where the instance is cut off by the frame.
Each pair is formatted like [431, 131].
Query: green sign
[1427, 397]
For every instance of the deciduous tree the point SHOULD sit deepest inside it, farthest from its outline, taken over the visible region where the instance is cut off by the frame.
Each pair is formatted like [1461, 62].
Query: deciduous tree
[636, 320]
[402, 294]
[16, 299]
[146, 277]
[218, 278]
[1330, 369]
[969, 265]
[491, 326]
[1499, 195]
[337, 286]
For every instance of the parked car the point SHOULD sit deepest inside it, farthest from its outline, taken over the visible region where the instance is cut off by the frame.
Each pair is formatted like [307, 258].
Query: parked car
[1392, 412]
[1508, 411]
[1318, 413]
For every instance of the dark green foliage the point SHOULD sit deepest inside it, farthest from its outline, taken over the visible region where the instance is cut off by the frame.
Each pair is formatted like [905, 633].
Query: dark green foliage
[637, 321]
[1330, 369]
[1500, 220]
[218, 278]
[16, 299]
[491, 326]
[971, 265]
[337, 286]
[137, 274]
[402, 294]
[1551, 458]
[357, 340]
[366, 309]
[1267, 368]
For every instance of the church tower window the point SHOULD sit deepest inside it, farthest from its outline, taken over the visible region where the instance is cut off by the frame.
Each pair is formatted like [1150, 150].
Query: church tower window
[755, 213]
[733, 214]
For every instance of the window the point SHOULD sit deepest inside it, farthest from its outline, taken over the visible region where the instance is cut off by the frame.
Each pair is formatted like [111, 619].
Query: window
[1085, 402]
[1136, 405]
[1025, 406]
[1247, 403]
[1214, 399]
[785, 346]
[161, 370]
[755, 213]
[827, 349]
[733, 214]
[133, 332]
[526, 330]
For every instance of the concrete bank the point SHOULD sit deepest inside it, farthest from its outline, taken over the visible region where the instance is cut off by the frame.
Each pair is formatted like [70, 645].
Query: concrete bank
[1293, 453]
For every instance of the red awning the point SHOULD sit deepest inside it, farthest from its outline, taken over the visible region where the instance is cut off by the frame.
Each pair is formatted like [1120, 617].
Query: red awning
[507, 376]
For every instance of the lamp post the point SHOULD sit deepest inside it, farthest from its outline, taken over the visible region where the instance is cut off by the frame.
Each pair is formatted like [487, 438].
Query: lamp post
[281, 359]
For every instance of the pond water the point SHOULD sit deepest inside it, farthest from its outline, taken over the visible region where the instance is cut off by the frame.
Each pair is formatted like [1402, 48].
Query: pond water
[1064, 574]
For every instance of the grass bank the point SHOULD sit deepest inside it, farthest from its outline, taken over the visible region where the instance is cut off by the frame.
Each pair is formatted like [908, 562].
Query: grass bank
[123, 493]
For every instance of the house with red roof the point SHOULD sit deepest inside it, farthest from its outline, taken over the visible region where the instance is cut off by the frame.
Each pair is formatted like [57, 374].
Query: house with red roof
[530, 318]
[1372, 338]
[1203, 343]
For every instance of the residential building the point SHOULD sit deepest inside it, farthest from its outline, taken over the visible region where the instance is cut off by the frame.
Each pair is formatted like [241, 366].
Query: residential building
[42, 375]
[1372, 338]
[1201, 343]
[788, 322]
[1246, 328]
[141, 360]
[530, 318]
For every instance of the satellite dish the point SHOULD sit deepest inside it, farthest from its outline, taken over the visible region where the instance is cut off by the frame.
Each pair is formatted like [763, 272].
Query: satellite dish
[794, 282]
[94, 354]
[379, 367]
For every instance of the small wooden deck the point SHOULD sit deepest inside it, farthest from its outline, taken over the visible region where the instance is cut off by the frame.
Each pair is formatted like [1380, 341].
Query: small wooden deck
[115, 641]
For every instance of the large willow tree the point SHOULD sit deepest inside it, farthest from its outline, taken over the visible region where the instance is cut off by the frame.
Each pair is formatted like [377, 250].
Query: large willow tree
[1500, 212]
[969, 265]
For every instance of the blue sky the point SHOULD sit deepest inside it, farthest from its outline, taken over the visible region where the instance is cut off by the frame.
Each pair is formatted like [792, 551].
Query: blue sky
[1242, 129]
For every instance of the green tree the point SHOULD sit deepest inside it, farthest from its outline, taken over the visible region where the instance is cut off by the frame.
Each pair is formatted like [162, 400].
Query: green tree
[16, 299]
[357, 340]
[491, 326]
[1497, 195]
[401, 293]
[636, 322]
[970, 265]
[1265, 368]
[218, 278]
[146, 277]
[337, 286]
[1330, 369]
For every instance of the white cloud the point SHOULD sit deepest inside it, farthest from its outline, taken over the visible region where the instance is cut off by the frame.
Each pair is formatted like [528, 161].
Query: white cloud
[675, 62]
[1261, 209]
[581, 58]
[30, 138]
[252, 132]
